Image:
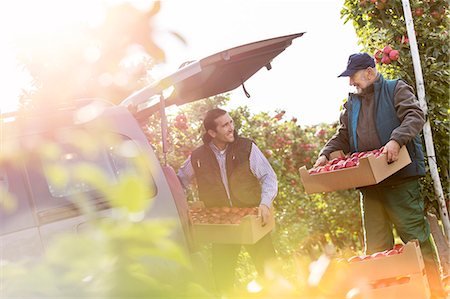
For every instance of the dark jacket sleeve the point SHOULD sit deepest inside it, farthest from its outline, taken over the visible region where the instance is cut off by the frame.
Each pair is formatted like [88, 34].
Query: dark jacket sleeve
[409, 113]
[339, 141]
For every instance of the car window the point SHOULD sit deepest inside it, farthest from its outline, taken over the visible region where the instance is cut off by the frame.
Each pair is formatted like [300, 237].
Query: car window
[70, 157]
[109, 159]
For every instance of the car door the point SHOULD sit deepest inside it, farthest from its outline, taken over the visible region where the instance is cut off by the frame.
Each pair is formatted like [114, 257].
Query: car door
[19, 233]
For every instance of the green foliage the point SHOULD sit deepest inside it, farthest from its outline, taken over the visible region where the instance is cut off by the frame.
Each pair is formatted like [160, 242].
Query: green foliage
[118, 259]
[123, 255]
[381, 23]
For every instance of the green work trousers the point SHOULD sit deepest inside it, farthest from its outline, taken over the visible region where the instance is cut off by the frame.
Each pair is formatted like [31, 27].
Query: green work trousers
[400, 206]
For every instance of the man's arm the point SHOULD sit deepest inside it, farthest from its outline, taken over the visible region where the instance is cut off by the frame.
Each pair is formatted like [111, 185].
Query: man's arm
[411, 118]
[409, 113]
[266, 176]
[186, 173]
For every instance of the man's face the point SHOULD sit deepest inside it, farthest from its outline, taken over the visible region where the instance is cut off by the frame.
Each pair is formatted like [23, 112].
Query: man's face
[224, 132]
[360, 80]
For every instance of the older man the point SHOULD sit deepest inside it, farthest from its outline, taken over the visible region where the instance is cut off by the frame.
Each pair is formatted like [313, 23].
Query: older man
[386, 113]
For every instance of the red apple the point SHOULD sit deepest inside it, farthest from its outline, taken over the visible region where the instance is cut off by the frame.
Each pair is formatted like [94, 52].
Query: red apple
[405, 40]
[279, 116]
[355, 159]
[403, 279]
[320, 133]
[378, 55]
[394, 55]
[336, 167]
[361, 155]
[350, 163]
[435, 14]
[334, 161]
[387, 49]
[355, 258]
[377, 255]
[313, 171]
[234, 209]
[418, 12]
[386, 60]
[380, 5]
[268, 153]
[181, 118]
[325, 168]
[398, 247]
[391, 252]
[181, 125]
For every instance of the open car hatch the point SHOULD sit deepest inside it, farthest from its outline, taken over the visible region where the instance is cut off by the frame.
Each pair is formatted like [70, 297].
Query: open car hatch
[215, 74]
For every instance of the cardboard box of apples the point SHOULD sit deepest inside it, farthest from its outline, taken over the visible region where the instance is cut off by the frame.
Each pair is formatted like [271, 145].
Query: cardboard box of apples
[391, 274]
[395, 273]
[352, 171]
[231, 225]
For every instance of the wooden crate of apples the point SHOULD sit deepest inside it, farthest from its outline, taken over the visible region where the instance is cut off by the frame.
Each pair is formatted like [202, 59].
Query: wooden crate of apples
[395, 273]
[231, 225]
[351, 171]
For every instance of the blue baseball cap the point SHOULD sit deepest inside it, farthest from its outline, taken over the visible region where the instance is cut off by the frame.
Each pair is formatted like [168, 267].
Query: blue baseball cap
[356, 62]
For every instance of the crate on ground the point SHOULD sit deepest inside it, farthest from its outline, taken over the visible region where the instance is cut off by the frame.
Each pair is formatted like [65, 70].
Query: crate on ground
[370, 171]
[400, 275]
[247, 230]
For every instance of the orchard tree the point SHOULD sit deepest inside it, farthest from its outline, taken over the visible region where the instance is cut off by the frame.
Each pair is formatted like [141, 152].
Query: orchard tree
[381, 30]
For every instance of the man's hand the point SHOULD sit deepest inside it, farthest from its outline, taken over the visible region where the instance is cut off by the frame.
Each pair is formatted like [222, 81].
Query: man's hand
[391, 150]
[264, 214]
[322, 160]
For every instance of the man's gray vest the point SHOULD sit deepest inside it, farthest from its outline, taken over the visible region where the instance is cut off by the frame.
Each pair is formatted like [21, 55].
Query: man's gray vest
[386, 121]
[244, 187]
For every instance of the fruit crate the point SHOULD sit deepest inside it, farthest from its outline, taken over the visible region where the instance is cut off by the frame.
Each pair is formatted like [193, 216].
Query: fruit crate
[394, 276]
[370, 171]
[249, 230]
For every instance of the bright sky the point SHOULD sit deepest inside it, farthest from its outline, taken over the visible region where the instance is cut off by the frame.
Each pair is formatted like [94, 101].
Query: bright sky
[303, 80]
